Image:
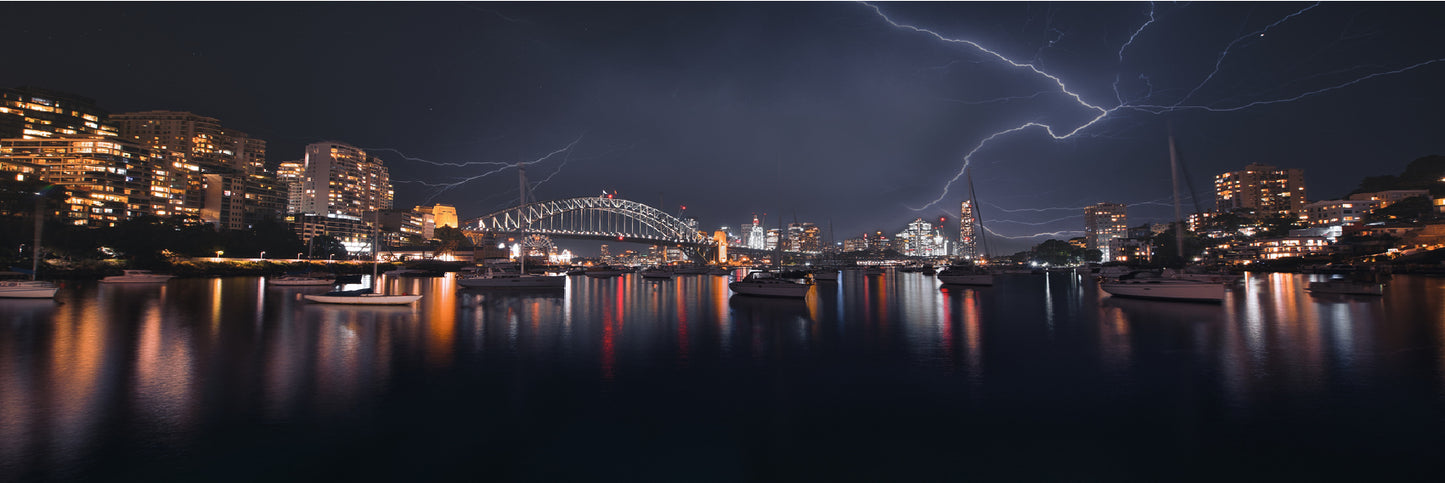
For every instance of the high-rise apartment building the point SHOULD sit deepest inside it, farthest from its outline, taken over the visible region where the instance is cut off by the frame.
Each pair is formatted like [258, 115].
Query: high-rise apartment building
[967, 237]
[1268, 190]
[227, 183]
[34, 113]
[342, 189]
[107, 181]
[921, 239]
[1104, 222]
[804, 237]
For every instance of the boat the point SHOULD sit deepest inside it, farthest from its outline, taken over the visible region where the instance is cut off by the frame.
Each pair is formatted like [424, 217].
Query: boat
[719, 271]
[495, 278]
[362, 297]
[577, 271]
[1171, 286]
[825, 275]
[768, 284]
[658, 273]
[603, 271]
[1360, 282]
[13, 285]
[929, 270]
[137, 276]
[366, 296]
[965, 274]
[689, 270]
[300, 281]
[1347, 287]
[499, 279]
[1151, 285]
[874, 271]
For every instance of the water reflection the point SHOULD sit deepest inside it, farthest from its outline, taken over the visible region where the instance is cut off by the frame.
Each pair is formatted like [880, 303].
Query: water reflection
[159, 367]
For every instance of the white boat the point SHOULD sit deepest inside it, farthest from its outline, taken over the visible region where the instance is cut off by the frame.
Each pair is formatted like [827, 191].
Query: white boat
[19, 288]
[300, 281]
[137, 276]
[768, 284]
[362, 297]
[658, 272]
[1149, 285]
[498, 279]
[1347, 287]
[365, 296]
[965, 275]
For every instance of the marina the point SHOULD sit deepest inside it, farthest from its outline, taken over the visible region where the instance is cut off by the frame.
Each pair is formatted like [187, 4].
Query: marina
[112, 376]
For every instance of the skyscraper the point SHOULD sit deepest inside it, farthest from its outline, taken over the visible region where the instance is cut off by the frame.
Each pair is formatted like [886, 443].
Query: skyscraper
[1103, 222]
[1268, 190]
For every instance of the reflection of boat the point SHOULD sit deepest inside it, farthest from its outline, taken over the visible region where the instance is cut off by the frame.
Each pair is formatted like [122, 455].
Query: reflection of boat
[1164, 310]
[1347, 287]
[1149, 285]
[300, 280]
[768, 284]
[14, 286]
[603, 271]
[965, 274]
[657, 273]
[409, 272]
[770, 307]
[137, 276]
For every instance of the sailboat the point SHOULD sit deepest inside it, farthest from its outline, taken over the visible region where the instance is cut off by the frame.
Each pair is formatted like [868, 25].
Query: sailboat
[14, 286]
[497, 279]
[966, 272]
[366, 296]
[1144, 284]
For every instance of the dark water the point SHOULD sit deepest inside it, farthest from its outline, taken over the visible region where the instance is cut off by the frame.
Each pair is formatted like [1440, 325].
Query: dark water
[873, 379]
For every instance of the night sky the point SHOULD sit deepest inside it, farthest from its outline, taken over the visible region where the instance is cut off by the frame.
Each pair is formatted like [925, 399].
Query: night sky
[821, 112]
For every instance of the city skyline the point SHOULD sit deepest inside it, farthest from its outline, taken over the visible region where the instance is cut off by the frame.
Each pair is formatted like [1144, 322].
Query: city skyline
[857, 114]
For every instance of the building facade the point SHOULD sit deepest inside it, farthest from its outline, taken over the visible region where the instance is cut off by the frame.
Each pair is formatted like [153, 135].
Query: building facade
[345, 185]
[223, 170]
[107, 181]
[1104, 222]
[1268, 190]
[34, 113]
[967, 232]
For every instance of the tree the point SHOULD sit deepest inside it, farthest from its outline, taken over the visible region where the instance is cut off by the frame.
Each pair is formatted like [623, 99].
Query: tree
[327, 246]
[451, 239]
[1166, 253]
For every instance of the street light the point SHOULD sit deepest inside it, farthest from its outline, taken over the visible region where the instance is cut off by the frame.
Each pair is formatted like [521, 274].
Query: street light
[263, 254]
[330, 257]
[218, 254]
[298, 257]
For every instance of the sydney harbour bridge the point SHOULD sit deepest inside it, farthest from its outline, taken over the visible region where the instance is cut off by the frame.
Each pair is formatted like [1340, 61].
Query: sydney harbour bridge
[600, 218]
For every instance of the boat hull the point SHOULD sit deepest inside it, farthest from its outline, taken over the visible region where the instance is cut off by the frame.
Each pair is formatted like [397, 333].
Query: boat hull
[1166, 290]
[793, 290]
[28, 290]
[314, 282]
[514, 282]
[966, 279]
[365, 299]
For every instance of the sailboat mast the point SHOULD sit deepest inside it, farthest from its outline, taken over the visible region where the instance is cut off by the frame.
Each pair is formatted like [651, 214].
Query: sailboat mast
[521, 233]
[977, 214]
[1178, 215]
[35, 249]
[375, 248]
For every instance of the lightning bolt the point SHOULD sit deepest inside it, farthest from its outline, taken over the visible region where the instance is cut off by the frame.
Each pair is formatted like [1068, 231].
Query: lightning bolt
[1225, 53]
[497, 167]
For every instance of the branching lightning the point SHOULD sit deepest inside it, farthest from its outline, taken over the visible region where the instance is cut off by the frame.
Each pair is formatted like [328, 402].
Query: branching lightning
[1225, 53]
[443, 187]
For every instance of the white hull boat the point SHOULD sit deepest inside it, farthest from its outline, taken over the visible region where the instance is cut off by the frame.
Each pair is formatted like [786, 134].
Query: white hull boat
[1165, 289]
[137, 276]
[27, 289]
[767, 285]
[346, 298]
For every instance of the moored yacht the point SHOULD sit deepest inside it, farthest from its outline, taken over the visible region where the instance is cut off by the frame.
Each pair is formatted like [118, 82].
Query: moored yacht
[768, 284]
[14, 286]
[1150, 285]
[497, 279]
[658, 273]
[965, 274]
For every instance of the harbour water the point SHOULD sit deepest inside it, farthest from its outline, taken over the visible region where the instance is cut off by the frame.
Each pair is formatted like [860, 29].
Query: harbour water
[884, 378]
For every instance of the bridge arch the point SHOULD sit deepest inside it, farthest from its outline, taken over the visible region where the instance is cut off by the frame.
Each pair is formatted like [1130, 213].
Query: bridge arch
[594, 217]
